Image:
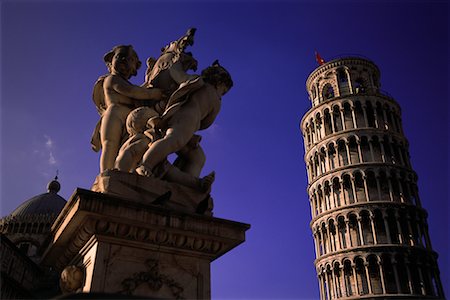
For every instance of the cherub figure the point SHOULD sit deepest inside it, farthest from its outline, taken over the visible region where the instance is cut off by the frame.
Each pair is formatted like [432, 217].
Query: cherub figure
[169, 71]
[142, 130]
[115, 97]
[198, 111]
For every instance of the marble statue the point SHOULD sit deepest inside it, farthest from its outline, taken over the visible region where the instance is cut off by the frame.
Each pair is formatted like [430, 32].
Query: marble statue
[72, 279]
[141, 126]
[198, 111]
[115, 98]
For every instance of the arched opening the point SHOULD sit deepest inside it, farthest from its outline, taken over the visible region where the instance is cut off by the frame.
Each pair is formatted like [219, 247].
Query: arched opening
[388, 272]
[344, 87]
[332, 157]
[370, 114]
[327, 122]
[354, 231]
[393, 229]
[372, 186]
[350, 286]
[361, 276]
[366, 228]
[376, 147]
[348, 118]
[327, 91]
[337, 120]
[353, 149]
[359, 188]
[348, 190]
[406, 234]
[338, 196]
[388, 157]
[359, 114]
[342, 152]
[365, 149]
[382, 123]
[385, 192]
[380, 228]
[326, 246]
[333, 235]
[328, 197]
[360, 87]
[318, 121]
[342, 231]
[374, 275]
[338, 277]
[415, 278]
[395, 187]
[402, 274]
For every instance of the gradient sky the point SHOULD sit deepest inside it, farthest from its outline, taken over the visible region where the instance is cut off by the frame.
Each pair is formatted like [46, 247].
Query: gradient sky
[51, 55]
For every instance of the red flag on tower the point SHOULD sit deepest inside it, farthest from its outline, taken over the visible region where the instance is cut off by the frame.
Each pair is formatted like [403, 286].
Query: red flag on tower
[319, 59]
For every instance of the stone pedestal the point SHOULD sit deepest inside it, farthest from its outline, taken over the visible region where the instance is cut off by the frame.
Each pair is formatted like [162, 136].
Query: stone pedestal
[128, 247]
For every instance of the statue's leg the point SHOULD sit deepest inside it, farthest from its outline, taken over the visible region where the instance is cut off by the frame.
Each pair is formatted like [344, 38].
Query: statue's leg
[111, 134]
[130, 156]
[191, 161]
[177, 176]
[175, 139]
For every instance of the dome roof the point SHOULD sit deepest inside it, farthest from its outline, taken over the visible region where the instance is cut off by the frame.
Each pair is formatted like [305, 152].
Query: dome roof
[47, 203]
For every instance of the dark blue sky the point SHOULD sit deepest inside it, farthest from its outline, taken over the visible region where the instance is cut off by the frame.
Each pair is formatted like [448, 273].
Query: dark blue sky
[51, 55]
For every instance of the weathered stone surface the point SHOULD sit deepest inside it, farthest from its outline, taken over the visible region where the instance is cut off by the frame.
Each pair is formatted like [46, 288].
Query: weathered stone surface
[134, 248]
[149, 190]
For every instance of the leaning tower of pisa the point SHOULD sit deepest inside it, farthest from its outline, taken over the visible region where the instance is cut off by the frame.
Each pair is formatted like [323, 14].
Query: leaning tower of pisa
[370, 230]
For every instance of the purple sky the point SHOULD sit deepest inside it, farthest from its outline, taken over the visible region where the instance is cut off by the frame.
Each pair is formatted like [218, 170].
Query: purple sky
[51, 55]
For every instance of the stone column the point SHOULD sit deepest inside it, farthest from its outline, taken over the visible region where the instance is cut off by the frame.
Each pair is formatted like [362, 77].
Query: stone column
[341, 110]
[349, 158]
[399, 229]
[322, 290]
[397, 280]
[348, 236]
[411, 233]
[422, 287]
[365, 188]
[388, 231]
[372, 224]
[355, 279]
[332, 195]
[369, 281]
[375, 117]
[333, 128]
[382, 278]
[361, 236]
[383, 154]
[352, 181]
[378, 188]
[372, 156]
[358, 146]
[352, 108]
[366, 122]
[316, 244]
[385, 118]
[408, 274]
[391, 197]
[341, 246]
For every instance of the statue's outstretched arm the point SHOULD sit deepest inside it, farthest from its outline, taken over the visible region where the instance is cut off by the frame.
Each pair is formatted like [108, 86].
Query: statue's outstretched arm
[136, 92]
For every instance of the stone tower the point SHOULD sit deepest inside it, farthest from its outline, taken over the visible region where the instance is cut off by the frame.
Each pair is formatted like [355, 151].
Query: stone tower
[370, 230]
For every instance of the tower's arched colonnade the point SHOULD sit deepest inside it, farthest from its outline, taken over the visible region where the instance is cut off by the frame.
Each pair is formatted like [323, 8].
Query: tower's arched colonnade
[370, 230]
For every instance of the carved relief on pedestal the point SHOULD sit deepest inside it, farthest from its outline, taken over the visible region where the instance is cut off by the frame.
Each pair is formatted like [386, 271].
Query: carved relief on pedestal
[153, 279]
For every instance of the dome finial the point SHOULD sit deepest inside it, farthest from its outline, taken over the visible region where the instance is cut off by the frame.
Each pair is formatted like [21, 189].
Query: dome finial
[54, 186]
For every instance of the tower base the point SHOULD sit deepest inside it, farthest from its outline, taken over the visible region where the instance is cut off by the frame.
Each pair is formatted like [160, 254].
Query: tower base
[126, 247]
